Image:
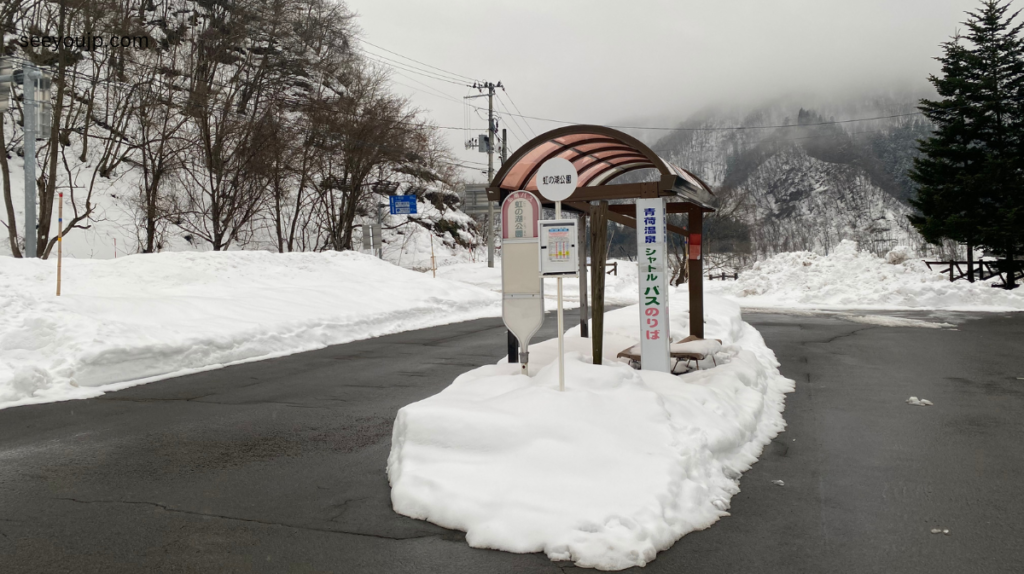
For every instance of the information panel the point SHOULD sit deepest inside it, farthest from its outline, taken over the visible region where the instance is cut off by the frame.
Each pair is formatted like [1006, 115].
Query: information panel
[558, 248]
[403, 204]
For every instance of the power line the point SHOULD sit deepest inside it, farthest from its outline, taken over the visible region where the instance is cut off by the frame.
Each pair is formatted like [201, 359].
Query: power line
[408, 68]
[380, 57]
[453, 74]
[733, 128]
[519, 112]
[522, 138]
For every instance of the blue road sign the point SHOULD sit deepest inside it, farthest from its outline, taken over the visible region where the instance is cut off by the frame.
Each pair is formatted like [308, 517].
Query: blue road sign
[403, 204]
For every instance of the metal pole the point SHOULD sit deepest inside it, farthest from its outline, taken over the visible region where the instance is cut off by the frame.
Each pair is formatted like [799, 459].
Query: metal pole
[29, 79]
[490, 173]
[513, 342]
[561, 328]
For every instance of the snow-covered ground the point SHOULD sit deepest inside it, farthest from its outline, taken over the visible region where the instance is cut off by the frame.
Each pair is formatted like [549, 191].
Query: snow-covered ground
[606, 474]
[125, 321]
[852, 279]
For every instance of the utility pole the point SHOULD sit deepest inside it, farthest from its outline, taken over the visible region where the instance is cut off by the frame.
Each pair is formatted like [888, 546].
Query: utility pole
[488, 145]
[30, 159]
[36, 85]
[490, 172]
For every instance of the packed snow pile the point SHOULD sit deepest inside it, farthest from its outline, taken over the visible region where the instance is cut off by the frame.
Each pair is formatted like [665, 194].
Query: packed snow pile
[143, 317]
[852, 279]
[620, 289]
[606, 474]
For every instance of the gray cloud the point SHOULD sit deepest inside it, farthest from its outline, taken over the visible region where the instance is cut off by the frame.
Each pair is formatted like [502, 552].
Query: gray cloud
[609, 61]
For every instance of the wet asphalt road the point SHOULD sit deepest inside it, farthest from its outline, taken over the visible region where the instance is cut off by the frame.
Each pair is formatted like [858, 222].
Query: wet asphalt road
[279, 466]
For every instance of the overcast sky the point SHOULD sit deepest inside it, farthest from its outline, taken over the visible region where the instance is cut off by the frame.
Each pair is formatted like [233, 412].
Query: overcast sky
[651, 61]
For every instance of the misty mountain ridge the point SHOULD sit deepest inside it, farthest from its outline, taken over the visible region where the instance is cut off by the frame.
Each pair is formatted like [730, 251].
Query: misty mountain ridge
[797, 180]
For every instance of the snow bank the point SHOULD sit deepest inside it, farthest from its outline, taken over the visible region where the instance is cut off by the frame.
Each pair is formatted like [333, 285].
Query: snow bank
[606, 474]
[139, 318]
[852, 279]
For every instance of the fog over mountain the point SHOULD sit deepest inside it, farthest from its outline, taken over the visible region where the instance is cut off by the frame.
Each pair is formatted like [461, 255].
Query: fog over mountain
[789, 178]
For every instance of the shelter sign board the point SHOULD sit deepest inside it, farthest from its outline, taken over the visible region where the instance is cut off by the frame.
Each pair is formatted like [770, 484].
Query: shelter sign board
[522, 306]
[403, 204]
[652, 257]
[557, 179]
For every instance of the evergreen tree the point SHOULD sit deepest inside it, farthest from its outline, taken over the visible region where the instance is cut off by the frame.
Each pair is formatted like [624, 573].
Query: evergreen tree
[971, 171]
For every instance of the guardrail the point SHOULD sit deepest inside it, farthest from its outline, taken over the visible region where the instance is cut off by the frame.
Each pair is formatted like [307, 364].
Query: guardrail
[982, 270]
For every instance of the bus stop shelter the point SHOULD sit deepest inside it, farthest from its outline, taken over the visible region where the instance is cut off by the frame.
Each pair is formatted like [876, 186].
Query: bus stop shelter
[600, 155]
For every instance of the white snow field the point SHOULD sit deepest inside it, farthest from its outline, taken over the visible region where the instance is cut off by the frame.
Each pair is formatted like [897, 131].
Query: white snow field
[606, 474]
[852, 279]
[125, 321]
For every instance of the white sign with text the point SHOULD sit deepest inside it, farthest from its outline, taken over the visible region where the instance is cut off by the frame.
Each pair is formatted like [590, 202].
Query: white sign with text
[652, 268]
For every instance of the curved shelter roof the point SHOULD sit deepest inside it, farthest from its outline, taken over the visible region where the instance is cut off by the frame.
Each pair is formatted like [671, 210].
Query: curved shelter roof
[600, 155]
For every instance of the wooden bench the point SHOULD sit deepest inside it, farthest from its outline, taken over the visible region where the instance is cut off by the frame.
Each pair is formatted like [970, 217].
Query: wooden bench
[689, 349]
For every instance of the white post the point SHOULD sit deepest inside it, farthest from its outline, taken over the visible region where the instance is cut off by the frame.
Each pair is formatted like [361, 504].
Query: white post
[561, 327]
[433, 265]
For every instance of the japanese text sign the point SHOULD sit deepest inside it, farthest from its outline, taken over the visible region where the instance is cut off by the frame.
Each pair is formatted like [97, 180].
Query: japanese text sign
[403, 204]
[519, 214]
[652, 259]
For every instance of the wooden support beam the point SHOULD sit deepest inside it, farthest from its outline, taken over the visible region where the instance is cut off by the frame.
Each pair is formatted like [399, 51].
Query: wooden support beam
[672, 207]
[696, 274]
[598, 258]
[622, 218]
[596, 193]
[581, 246]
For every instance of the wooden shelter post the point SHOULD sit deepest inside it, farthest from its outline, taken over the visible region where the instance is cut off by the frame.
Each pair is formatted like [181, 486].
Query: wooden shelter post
[598, 258]
[582, 241]
[695, 273]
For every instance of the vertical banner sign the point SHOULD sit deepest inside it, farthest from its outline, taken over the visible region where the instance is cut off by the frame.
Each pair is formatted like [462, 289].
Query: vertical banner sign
[652, 257]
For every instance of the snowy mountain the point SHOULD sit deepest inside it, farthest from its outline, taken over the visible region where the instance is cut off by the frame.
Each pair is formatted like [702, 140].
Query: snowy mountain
[797, 180]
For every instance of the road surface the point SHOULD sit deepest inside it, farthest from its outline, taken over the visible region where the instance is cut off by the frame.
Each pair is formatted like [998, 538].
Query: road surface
[279, 465]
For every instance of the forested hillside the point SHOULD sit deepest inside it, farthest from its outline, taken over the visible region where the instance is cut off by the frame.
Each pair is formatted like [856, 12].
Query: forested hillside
[217, 124]
[795, 179]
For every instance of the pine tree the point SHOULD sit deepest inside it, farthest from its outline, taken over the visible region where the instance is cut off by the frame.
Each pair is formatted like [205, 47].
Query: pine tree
[997, 65]
[971, 171]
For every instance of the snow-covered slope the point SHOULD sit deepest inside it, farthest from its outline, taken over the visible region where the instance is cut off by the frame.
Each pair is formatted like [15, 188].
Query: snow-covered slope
[799, 202]
[140, 318]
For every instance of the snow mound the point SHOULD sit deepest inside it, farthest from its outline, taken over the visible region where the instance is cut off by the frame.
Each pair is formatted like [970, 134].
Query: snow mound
[606, 474]
[852, 279]
[145, 317]
[898, 254]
